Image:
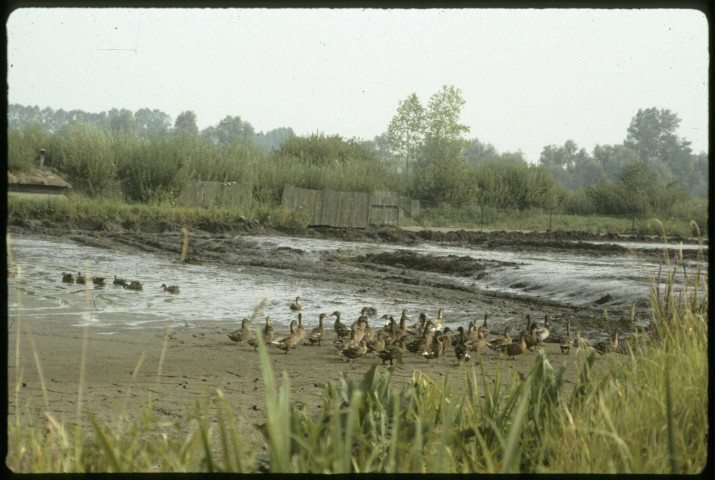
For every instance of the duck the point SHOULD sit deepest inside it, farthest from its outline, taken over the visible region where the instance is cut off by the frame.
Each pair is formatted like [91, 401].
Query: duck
[500, 342]
[375, 345]
[531, 338]
[544, 330]
[99, 281]
[351, 353]
[393, 352]
[290, 341]
[341, 329]
[134, 285]
[241, 334]
[317, 334]
[67, 277]
[296, 305]
[448, 337]
[472, 332]
[566, 340]
[266, 335]
[476, 344]
[439, 322]
[527, 330]
[360, 318]
[608, 346]
[402, 327]
[435, 350]
[350, 341]
[119, 281]
[514, 348]
[390, 322]
[582, 342]
[300, 329]
[80, 278]
[419, 345]
[369, 332]
[460, 349]
[417, 328]
[371, 311]
[170, 289]
[485, 326]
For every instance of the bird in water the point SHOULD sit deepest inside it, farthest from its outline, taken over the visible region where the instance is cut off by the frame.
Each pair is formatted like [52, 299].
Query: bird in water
[170, 289]
[296, 305]
[67, 277]
[134, 285]
[119, 281]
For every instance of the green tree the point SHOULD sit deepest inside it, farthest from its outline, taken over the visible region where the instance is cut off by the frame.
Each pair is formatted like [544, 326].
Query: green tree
[613, 158]
[477, 152]
[152, 123]
[122, 122]
[229, 131]
[406, 130]
[185, 125]
[637, 186]
[321, 150]
[652, 134]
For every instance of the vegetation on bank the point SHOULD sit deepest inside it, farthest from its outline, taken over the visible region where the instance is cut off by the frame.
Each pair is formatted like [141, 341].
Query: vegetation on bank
[642, 412]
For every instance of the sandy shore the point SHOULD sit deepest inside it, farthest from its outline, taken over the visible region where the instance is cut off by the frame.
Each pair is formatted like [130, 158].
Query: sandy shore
[196, 361]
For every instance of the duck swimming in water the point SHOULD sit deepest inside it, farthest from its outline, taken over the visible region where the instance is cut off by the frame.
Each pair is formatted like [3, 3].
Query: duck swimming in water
[170, 289]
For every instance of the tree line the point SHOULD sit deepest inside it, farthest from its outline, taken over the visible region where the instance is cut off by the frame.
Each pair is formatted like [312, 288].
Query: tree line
[424, 153]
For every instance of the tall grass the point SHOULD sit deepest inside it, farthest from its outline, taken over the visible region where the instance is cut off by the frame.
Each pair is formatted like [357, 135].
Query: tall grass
[645, 411]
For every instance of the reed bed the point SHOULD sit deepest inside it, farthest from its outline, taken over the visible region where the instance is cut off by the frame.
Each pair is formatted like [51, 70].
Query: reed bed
[645, 411]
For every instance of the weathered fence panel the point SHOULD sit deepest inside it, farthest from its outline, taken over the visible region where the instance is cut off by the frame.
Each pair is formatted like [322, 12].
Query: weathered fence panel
[216, 194]
[347, 209]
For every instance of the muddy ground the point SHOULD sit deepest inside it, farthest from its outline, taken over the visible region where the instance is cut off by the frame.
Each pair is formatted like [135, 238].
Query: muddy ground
[202, 359]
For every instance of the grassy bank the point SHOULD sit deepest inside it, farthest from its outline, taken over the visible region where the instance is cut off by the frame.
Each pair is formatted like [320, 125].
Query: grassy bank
[641, 412]
[446, 216]
[76, 206]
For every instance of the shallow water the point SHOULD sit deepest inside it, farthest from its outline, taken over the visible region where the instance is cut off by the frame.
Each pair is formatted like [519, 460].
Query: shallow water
[222, 296]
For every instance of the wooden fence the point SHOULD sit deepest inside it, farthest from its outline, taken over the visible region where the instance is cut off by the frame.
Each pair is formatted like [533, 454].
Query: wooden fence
[349, 209]
[218, 194]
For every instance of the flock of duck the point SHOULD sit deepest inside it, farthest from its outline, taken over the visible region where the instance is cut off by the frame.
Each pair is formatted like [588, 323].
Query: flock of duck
[120, 282]
[428, 338]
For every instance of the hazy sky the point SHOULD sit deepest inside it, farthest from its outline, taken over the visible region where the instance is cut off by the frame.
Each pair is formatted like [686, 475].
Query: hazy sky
[530, 77]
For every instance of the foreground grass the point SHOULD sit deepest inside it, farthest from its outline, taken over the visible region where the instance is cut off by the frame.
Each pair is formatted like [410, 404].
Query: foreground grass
[642, 412]
[446, 216]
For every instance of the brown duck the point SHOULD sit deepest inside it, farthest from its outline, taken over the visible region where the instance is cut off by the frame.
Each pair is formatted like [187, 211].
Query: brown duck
[289, 341]
[499, 342]
[609, 346]
[484, 328]
[341, 330]
[134, 285]
[120, 281]
[351, 353]
[435, 350]
[567, 340]
[317, 334]
[393, 352]
[170, 289]
[67, 277]
[296, 305]
[514, 348]
[242, 333]
[476, 344]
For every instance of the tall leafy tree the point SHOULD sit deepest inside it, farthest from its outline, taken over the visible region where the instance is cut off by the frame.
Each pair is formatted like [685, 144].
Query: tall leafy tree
[229, 131]
[122, 122]
[406, 130]
[652, 134]
[185, 125]
[637, 186]
[152, 123]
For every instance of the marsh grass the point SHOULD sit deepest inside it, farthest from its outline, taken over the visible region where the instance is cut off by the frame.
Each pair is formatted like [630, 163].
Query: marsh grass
[526, 220]
[645, 411]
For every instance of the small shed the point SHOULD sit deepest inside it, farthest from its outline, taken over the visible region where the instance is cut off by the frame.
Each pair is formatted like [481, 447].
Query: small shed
[37, 181]
[348, 209]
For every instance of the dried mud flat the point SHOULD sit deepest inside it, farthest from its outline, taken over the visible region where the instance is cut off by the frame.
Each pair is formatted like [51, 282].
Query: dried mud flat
[202, 358]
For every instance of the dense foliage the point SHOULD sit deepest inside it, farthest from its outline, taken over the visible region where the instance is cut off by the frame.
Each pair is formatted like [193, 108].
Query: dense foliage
[424, 153]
